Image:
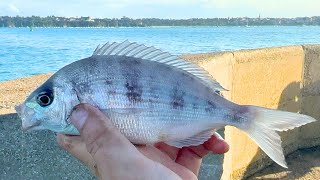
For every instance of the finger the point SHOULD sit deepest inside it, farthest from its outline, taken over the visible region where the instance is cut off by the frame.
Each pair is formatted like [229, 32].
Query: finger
[76, 147]
[216, 144]
[157, 155]
[191, 157]
[171, 151]
[154, 154]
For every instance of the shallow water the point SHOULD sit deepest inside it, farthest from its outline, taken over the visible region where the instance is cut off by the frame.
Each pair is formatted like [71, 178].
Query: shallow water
[24, 52]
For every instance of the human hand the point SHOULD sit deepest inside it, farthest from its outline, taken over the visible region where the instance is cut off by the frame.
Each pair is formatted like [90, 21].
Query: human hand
[109, 155]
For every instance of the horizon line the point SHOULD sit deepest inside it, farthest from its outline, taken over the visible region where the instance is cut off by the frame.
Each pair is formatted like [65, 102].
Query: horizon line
[92, 17]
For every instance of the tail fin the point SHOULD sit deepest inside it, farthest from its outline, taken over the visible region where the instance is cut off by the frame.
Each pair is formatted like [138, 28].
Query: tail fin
[265, 122]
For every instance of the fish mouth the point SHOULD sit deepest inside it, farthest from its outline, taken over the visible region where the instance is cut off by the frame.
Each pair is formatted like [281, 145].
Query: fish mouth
[24, 113]
[18, 109]
[29, 126]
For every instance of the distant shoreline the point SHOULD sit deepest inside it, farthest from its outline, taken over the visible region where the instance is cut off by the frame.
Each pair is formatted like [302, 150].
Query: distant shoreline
[54, 21]
[97, 27]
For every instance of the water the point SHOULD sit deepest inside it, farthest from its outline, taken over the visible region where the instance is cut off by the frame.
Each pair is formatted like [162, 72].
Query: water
[24, 52]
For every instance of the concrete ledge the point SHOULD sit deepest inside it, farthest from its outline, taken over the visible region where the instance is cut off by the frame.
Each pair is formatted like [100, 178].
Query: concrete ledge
[259, 78]
[310, 133]
[284, 78]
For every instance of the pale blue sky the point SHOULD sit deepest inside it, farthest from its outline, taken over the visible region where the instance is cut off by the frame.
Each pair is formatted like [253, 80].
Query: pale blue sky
[161, 8]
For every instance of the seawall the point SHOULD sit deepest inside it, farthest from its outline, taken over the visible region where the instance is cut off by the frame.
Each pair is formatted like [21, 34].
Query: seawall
[286, 78]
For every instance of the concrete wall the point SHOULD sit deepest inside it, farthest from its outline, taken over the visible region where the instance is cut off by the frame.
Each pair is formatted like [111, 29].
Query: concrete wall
[286, 78]
[310, 133]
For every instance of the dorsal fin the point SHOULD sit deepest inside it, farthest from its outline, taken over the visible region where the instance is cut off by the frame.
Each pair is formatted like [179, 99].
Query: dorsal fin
[135, 50]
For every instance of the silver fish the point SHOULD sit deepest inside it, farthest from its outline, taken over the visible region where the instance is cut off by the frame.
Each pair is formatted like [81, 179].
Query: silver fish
[151, 96]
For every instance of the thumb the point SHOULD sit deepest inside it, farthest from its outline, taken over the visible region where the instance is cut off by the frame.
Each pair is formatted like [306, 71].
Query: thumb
[99, 134]
[115, 156]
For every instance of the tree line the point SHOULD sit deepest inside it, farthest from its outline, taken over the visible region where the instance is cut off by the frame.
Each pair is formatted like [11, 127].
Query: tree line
[54, 21]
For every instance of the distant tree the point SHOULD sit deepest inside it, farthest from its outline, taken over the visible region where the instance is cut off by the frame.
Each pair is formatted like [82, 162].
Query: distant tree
[54, 21]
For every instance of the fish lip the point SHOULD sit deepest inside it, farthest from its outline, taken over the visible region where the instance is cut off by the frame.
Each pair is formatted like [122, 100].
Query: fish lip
[18, 109]
[28, 128]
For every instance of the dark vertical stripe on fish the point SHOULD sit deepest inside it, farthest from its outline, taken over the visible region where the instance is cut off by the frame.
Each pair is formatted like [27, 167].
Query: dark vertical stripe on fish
[210, 106]
[177, 98]
[134, 91]
[132, 74]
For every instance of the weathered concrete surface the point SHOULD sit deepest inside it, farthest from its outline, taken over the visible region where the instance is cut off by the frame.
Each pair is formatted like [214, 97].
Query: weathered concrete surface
[274, 78]
[30, 155]
[34, 155]
[310, 135]
[303, 164]
[259, 77]
[219, 65]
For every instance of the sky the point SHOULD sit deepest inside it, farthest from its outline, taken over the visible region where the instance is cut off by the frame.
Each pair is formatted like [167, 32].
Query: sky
[172, 9]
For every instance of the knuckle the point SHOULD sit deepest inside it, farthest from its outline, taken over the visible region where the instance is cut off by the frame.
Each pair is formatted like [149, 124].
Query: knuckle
[96, 141]
[65, 144]
[103, 139]
[95, 170]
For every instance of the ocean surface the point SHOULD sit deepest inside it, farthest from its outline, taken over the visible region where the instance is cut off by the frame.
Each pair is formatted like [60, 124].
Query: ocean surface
[43, 50]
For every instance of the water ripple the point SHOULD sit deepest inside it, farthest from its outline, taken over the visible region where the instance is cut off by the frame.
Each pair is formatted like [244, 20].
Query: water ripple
[24, 53]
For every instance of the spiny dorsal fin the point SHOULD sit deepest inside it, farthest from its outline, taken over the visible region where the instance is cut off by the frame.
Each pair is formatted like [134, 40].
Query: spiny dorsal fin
[135, 50]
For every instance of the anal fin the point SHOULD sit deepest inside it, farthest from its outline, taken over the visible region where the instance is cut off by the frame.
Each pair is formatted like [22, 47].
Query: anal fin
[195, 140]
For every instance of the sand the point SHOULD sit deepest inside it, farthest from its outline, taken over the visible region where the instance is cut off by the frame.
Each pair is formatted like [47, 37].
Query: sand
[303, 164]
[15, 91]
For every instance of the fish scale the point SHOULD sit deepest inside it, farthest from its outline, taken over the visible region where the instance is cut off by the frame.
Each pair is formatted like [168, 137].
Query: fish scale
[165, 89]
[151, 96]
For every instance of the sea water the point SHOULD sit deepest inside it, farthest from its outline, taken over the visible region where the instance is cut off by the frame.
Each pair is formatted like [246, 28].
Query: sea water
[45, 50]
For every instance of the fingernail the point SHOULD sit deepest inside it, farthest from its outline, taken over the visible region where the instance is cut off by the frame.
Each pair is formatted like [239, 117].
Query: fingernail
[79, 117]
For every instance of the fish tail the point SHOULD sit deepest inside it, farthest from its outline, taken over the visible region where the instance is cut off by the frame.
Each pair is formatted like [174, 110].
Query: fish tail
[263, 124]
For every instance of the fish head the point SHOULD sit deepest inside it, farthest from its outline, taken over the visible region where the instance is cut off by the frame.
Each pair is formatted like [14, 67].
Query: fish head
[48, 107]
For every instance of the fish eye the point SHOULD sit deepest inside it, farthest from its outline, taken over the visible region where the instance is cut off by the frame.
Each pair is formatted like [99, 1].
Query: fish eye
[44, 99]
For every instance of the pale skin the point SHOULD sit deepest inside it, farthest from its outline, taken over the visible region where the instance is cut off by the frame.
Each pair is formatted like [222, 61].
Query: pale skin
[110, 155]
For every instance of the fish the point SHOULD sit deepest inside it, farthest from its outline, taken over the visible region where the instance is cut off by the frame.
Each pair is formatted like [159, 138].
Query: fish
[151, 96]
